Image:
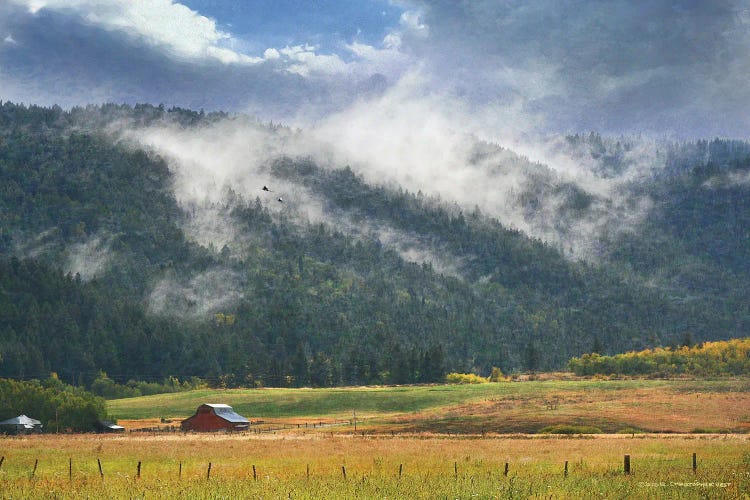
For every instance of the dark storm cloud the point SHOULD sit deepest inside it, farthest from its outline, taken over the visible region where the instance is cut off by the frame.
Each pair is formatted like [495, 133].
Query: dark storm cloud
[658, 66]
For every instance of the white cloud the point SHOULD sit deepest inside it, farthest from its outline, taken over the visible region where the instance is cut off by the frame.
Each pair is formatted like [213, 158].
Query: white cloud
[304, 61]
[412, 20]
[387, 60]
[9, 39]
[162, 23]
[271, 54]
[184, 33]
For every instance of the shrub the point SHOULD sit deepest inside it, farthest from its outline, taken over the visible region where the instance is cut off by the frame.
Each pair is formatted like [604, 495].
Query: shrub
[465, 378]
[496, 375]
[570, 429]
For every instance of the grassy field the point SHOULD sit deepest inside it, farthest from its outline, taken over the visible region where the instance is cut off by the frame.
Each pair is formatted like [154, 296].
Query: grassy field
[510, 407]
[412, 442]
[346, 466]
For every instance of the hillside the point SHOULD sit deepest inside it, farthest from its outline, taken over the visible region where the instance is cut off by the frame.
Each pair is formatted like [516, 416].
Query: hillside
[114, 258]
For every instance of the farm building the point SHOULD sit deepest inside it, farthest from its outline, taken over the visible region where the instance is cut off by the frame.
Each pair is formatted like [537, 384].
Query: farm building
[20, 425]
[106, 426]
[215, 417]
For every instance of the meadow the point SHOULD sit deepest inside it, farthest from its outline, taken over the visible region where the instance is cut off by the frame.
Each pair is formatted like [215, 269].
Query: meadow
[432, 441]
[627, 406]
[324, 465]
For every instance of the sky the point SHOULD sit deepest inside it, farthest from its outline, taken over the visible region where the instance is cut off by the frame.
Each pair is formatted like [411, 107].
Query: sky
[505, 67]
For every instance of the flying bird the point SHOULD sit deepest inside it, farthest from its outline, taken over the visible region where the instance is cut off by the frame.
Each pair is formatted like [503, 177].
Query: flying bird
[265, 188]
[280, 200]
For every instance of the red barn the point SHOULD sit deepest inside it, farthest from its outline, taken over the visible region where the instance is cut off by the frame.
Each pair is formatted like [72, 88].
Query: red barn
[215, 417]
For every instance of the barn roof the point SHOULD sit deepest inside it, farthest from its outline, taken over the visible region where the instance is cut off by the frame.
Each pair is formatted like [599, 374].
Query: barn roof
[108, 424]
[227, 413]
[21, 420]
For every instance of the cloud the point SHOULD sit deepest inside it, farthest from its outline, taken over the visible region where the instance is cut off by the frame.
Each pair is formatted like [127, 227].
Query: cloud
[728, 180]
[197, 296]
[659, 67]
[89, 258]
[305, 61]
[160, 23]
[82, 52]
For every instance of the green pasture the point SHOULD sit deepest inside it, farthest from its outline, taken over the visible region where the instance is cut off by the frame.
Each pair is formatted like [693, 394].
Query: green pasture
[374, 401]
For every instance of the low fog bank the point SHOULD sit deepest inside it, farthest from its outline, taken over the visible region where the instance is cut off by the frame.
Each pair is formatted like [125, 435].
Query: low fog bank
[89, 258]
[578, 193]
[196, 296]
[571, 194]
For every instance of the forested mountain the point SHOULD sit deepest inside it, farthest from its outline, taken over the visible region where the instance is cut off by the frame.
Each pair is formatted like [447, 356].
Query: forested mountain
[106, 264]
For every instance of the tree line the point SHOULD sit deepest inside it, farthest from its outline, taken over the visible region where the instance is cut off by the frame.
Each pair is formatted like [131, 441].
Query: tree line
[706, 359]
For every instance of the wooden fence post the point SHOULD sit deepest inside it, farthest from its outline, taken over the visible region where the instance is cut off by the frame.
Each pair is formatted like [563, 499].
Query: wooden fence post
[1, 461]
[505, 472]
[255, 476]
[400, 470]
[626, 464]
[138, 473]
[33, 472]
[455, 470]
[566, 469]
[179, 474]
[695, 463]
[70, 468]
[101, 472]
[208, 473]
[343, 471]
[308, 471]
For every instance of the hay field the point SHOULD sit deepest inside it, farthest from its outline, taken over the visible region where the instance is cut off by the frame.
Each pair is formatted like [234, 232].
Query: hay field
[430, 466]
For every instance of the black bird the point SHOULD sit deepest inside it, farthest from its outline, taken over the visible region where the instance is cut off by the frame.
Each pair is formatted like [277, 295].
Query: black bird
[280, 200]
[265, 188]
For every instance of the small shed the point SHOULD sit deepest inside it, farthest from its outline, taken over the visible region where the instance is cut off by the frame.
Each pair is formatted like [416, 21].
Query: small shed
[21, 425]
[215, 417]
[107, 426]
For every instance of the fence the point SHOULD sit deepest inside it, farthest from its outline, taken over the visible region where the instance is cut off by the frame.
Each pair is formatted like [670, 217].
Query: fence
[178, 473]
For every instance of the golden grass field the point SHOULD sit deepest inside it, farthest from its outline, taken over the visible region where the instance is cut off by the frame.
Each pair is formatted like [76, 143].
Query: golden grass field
[411, 442]
[432, 466]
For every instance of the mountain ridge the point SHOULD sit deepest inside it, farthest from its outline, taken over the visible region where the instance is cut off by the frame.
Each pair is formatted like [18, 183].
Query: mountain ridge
[342, 284]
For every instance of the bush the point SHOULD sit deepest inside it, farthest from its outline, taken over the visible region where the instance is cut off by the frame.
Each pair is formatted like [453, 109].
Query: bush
[107, 388]
[629, 430]
[496, 375]
[570, 429]
[465, 378]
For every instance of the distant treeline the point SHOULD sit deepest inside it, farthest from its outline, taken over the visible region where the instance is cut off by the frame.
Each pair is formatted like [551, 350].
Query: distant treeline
[109, 389]
[731, 357]
[59, 406]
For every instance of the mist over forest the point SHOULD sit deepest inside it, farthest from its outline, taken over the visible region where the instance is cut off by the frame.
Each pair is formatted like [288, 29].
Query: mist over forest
[139, 241]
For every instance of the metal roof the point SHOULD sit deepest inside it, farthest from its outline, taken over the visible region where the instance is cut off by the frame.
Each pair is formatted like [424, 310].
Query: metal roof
[109, 424]
[21, 420]
[227, 413]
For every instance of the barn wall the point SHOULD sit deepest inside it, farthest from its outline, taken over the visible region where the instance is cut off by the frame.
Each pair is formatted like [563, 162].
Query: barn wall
[206, 422]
